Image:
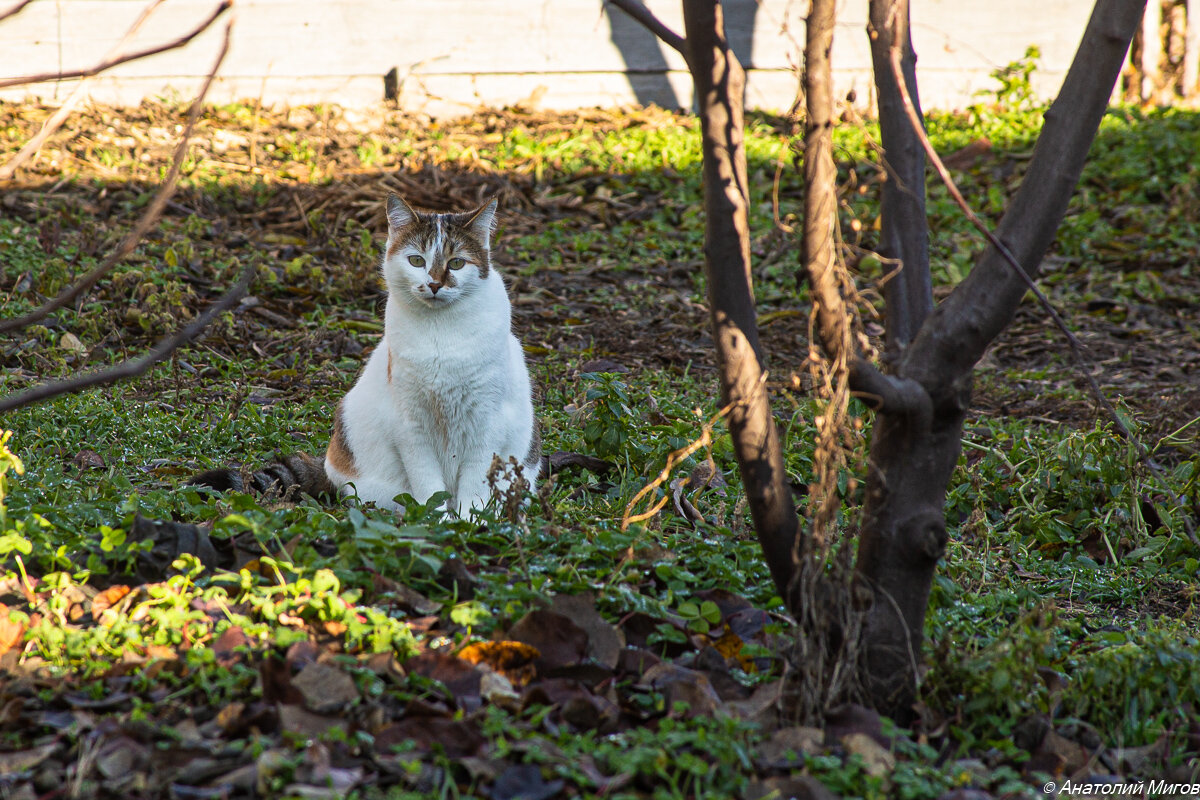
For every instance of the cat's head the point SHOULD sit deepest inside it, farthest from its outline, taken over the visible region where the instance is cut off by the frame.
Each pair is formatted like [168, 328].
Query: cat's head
[435, 259]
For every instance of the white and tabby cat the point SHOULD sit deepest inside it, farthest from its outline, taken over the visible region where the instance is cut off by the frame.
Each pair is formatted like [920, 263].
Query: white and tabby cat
[446, 390]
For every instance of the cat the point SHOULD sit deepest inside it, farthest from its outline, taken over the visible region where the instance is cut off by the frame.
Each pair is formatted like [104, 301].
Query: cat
[446, 391]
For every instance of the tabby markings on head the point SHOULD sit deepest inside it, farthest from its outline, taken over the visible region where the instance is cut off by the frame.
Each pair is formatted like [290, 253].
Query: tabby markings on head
[444, 236]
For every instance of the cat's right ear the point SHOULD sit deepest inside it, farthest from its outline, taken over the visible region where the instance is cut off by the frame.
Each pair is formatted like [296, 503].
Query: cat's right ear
[399, 213]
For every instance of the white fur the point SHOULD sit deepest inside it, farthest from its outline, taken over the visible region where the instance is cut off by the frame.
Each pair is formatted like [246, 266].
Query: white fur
[459, 392]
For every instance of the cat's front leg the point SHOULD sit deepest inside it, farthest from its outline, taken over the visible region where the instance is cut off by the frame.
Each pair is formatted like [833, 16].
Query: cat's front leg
[474, 490]
[424, 470]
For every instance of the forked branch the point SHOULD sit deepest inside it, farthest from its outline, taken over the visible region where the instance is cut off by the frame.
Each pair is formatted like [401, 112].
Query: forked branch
[1081, 360]
[973, 315]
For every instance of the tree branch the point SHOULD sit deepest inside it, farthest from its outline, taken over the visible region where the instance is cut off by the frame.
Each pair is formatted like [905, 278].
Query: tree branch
[832, 317]
[1081, 360]
[884, 393]
[720, 86]
[133, 367]
[965, 323]
[61, 114]
[14, 10]
[109, 63]
[820, 185]
[904, 229]
[653, 24]
[145, 222]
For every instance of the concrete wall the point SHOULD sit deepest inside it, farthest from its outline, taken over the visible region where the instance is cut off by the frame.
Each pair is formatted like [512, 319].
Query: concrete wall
[455, 55]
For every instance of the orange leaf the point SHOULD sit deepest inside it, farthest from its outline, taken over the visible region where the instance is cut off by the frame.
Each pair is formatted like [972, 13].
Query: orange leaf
[11, 633]
[107, 599]
[499, 656]
[513, 660]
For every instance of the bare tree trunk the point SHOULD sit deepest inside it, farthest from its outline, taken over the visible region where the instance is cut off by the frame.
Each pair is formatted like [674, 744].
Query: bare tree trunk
[720, 88]
[904, 231]
[916, 437]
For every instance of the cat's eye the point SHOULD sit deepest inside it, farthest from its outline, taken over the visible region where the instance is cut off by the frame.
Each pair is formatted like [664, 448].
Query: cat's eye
[457, 263]
[417, 261]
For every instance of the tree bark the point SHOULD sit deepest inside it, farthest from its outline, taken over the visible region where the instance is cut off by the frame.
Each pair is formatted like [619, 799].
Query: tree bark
[904, 230]
[820, 182]
[720, 86]
[917, 436]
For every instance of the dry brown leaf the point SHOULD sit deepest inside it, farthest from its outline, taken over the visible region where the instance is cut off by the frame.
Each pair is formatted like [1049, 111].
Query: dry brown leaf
[325, 688]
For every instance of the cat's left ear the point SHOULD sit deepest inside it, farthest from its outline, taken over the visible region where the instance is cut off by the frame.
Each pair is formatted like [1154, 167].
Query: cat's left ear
[399, 212]
[483, 220]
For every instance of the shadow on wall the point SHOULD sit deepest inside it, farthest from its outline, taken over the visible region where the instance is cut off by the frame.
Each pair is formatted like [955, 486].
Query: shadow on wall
[646, 65]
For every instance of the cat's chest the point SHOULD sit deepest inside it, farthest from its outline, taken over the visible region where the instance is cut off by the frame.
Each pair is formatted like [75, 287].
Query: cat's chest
[455, 386]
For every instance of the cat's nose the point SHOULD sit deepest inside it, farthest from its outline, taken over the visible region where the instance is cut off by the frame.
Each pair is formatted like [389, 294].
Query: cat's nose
[434, 286]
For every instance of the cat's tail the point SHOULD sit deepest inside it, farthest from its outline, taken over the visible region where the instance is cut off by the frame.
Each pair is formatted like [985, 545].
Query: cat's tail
[284, 477]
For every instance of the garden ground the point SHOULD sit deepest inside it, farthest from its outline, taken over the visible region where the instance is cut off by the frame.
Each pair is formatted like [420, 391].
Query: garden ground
[314, 651]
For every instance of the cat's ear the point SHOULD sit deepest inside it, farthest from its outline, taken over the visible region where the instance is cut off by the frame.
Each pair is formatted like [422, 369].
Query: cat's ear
[483, 220]
[399, 213]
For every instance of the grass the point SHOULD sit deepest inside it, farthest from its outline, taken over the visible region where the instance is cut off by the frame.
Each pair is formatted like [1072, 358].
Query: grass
[1066, 559]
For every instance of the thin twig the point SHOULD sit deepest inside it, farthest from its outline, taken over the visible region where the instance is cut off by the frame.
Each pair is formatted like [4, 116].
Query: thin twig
[673, 460]
[64, 111]
[1085, 366]
[133, 367]
[653, 24]
[109, 63]
[145, 222]
[14, 10]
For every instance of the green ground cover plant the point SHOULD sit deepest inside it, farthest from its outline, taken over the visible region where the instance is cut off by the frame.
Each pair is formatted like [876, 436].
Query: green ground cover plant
[157, 636]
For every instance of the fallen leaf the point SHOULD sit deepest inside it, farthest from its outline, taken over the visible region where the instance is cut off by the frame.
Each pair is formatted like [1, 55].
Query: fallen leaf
[457, 738]
[559, 461]
[325, 688]
[88, 459]
[683, 506]
[575, 704]
[688, 692]
[460, 678]
[408, 600]
[559, 640]
[604, 640]
[787, 747]
[852, 718]
[121, 756]
[525, 782]
[788, 788]
[513, 660]
[231, 646]
[105, 600]
[877, 760]
[169, 541]
[23, 760]
[11, 632]
[306, 724]
[70, 342]
[454, 576]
